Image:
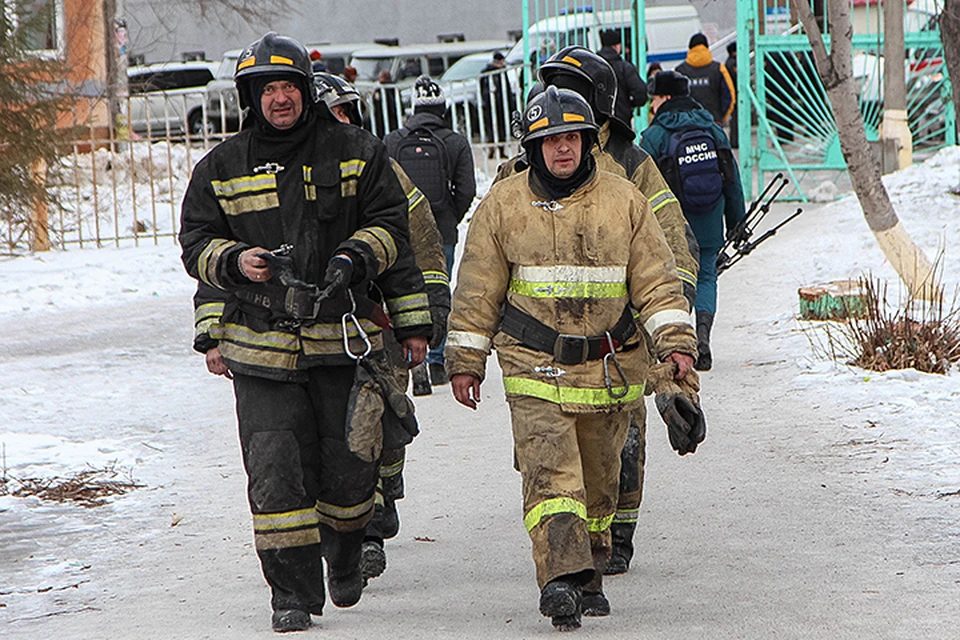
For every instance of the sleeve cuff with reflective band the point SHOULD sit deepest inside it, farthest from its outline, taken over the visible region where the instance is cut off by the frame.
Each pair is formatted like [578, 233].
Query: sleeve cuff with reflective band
[435, 277]
[569, 281]
[205, 316]
[409, 311]
[687, 276]
[381, 245]
[468, 340]
[209, 260]
[662, 199]
[663, 318]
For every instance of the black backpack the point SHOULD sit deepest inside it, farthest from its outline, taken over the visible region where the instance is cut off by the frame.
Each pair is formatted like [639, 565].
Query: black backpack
[423, 156]
[696, 170]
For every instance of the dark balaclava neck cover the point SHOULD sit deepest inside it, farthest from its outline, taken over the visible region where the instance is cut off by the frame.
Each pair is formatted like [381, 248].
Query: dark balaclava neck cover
[555, 187]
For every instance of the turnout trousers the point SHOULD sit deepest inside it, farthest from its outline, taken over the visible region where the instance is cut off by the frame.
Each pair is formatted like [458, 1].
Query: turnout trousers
[633, 459]
[570, 465]
[301, 480]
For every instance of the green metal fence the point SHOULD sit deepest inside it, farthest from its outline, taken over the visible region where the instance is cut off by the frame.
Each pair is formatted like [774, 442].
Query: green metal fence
[793, 128]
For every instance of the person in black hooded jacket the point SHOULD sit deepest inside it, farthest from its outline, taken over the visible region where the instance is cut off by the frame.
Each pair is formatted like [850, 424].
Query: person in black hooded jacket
[291, 220]
[458, 187]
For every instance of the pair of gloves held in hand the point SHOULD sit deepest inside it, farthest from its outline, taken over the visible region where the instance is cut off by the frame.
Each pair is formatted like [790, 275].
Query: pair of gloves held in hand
[679, 406]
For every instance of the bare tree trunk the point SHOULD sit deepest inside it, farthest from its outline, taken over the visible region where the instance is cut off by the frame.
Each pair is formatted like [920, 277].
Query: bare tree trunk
[836, 72]
[950, 36]
[894, 124]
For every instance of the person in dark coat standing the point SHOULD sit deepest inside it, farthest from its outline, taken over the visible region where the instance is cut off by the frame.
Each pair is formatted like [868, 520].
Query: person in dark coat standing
[429, 112]
[631, 90]
[496, 95]
[710, 84]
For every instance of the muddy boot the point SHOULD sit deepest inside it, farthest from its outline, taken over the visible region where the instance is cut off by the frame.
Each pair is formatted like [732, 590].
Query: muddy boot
[421, 380]
[560, 601]
[286, 620]
[595, 604]
[373, 560]
[622, 548]
[342, 551]
[438, 376]
[704, 325]
[390, 519]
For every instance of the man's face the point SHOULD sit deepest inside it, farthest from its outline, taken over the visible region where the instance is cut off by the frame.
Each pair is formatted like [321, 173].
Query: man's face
[340, 113]
[561, 153]
[656, 101]
[281, 104]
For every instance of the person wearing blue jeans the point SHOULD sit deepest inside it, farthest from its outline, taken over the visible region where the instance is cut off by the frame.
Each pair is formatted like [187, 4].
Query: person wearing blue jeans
[435, 356]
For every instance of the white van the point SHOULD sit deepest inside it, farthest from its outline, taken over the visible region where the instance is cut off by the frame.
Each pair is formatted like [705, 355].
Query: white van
[668, 31]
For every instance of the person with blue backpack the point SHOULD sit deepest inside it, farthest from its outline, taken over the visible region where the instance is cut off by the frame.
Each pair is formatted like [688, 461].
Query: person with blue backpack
[694, 156]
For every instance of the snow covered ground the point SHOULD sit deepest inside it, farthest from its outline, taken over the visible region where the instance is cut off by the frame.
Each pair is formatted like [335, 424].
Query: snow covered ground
[824, 502]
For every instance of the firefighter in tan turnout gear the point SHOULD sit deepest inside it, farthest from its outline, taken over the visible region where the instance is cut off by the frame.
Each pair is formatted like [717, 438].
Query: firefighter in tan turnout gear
[295, 218]
[591, 76]
[567, 252]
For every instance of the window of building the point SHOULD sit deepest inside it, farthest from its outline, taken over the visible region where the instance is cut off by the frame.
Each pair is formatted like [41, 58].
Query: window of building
[38, 25]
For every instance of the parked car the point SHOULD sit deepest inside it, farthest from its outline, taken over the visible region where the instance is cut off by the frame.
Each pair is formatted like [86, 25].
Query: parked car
[167, 98]
[405, 64]
[223, 110]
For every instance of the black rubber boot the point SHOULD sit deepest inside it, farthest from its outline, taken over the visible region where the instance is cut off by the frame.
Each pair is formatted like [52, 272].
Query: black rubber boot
[595, 604]
[286, 620]
[373, 560]
[438, 376]
[704, 325]
[342, 551]
[621, 552]
[421, 380]
[560, 600]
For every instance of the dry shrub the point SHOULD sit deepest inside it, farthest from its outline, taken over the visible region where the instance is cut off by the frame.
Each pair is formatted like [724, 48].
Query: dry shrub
[920, 334]
[87, 488]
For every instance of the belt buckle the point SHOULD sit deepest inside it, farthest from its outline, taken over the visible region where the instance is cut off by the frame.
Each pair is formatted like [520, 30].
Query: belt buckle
[570, 349]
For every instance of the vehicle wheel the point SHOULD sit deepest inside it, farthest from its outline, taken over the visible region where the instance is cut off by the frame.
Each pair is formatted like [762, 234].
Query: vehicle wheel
[198, 126]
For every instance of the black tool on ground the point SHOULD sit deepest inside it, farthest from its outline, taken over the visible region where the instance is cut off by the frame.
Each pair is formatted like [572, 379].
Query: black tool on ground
[739, 243]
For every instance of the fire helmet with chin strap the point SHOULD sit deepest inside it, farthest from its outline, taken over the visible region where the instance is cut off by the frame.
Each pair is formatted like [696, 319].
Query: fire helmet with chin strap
[556, 111]
[335, 91]
[584, 65]
[274, 55]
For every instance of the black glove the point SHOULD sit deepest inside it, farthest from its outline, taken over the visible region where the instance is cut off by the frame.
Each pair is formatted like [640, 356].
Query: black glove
[438, 316]
[738, 235]
[686, 425]
[338, 274]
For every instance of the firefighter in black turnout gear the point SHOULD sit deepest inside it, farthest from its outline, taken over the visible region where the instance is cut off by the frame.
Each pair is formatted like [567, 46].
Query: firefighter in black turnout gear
[294, 218]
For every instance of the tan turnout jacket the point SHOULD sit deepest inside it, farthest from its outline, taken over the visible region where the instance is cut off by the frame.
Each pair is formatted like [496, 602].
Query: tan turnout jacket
[574, 264]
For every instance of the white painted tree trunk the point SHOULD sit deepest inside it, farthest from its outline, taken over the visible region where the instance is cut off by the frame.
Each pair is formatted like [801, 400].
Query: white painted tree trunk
[836, 72]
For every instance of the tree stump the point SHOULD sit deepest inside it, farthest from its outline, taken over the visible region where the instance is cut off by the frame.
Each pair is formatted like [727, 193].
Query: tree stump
[836, 300]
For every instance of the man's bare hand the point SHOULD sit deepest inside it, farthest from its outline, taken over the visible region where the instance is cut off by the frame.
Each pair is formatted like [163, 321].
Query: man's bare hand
[414, 351]
[466, 389]
[253, 267]
[684, 364]
[215, 364]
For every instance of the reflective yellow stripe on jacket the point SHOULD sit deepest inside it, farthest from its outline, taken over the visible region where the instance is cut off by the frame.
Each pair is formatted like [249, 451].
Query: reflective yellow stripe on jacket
[569, 281]
[552, 392]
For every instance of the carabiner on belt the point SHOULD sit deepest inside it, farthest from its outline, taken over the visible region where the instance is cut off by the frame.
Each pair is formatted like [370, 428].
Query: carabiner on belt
[348, 316]
[607, 380]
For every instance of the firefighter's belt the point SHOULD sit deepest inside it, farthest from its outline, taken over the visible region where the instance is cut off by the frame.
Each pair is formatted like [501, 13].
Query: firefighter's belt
[307, 303]
[566, 349]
